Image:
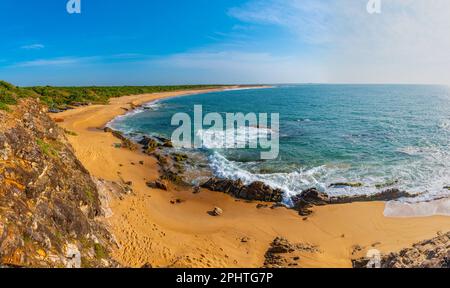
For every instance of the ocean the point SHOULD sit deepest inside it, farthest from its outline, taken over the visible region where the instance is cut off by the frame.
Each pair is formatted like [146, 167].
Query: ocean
[382, 136]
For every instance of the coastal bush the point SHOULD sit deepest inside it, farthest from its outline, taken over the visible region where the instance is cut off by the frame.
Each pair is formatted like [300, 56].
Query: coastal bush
[64, 97]
[100, 251]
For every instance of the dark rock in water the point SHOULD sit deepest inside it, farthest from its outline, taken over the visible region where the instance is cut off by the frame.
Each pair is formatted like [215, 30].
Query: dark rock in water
[387, 195]
[255, 191]
[157, 185]
[386, 184]
[149, 144]
[434, 253]
[346, 184]
[305, 201]
[447, 187]
[162, 141]
[179, 157]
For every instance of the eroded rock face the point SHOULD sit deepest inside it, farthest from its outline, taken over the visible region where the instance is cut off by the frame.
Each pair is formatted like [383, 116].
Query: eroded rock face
[47, 198]
[282, 253]
[434, 253]
[255, 191]
[305, 201]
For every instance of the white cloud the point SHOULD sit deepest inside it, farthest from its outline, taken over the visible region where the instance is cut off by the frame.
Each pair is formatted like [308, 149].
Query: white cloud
[50, 62]
[72, 60]
[33, 47]
[408, 42]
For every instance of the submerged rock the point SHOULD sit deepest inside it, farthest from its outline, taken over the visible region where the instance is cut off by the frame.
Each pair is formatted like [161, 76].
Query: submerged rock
[346, 184]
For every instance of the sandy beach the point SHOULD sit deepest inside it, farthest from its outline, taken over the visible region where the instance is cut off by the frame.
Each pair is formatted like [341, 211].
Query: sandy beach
[150, 229]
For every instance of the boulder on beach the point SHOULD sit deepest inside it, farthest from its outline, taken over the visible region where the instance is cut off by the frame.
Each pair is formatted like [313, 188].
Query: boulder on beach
[305, 201]
[434, 253]
[257, 190]
[216, 212]
[158, 184]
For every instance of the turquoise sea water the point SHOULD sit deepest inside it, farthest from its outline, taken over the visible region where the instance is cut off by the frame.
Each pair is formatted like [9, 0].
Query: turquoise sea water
[389, 135]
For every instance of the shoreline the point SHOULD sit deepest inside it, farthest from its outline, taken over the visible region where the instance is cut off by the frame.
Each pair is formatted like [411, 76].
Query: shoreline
[150, 229]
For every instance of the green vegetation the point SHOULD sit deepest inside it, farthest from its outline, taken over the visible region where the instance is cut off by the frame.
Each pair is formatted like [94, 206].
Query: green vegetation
[9, 94]
[63, 97]
[90, 196]
[100, 251]
[47, 148]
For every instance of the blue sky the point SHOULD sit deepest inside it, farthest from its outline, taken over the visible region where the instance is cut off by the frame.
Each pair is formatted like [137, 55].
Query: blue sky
[143, 42]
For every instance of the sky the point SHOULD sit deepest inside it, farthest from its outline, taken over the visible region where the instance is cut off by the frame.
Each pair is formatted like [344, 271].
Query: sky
[164, 42]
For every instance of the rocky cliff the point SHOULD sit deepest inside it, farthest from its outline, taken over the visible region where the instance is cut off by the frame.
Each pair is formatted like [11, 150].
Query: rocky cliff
[48, 201]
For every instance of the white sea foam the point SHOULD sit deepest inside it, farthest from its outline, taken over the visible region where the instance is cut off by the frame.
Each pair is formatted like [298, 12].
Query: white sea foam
[428, 185]
[421, 209]
[291, 183]
[213, 139]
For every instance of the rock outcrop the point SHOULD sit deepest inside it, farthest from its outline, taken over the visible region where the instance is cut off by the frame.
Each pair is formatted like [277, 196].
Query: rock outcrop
[125, 142]
[48, 201]
[282, 253]
[255, 191]
[434, 253]
[305, 201]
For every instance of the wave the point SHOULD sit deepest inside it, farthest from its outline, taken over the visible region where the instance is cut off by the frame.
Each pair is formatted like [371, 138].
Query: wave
[291, 183]
[414, 178]
[240, 137]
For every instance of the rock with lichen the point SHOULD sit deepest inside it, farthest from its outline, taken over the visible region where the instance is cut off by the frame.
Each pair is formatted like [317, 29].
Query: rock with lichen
[48, 200]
